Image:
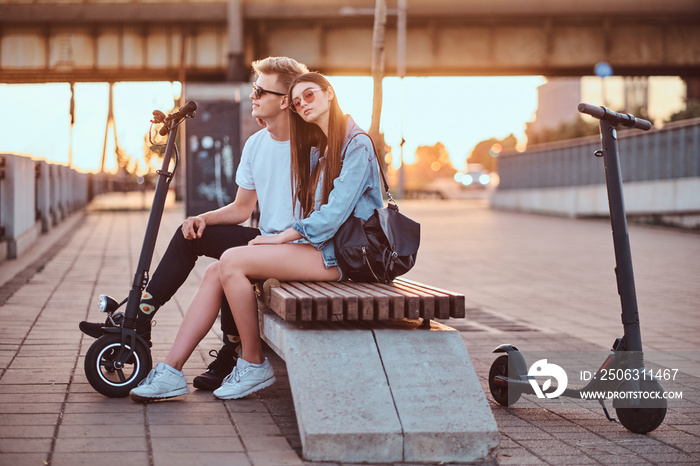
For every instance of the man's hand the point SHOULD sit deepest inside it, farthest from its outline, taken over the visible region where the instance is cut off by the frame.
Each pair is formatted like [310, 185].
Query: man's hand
[193, 227]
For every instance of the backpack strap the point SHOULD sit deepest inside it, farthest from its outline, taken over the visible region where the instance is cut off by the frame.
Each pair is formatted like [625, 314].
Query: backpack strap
[381, 171]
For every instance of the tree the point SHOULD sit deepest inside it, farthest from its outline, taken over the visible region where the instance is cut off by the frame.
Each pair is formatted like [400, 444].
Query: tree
[487, 152]
[691, 110]
[432, 162]
[574, 129]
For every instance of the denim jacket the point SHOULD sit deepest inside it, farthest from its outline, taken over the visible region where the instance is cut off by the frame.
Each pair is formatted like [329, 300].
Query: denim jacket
[357, 191]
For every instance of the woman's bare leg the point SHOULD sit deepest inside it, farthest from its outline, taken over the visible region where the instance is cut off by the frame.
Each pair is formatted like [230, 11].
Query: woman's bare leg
[285, 262]
[199, 318]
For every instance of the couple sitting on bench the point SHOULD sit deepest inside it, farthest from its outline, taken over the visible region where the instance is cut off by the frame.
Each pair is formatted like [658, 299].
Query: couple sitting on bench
[309, 174]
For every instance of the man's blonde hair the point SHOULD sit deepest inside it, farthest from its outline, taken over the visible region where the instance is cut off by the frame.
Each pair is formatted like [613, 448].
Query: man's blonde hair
[286, 69]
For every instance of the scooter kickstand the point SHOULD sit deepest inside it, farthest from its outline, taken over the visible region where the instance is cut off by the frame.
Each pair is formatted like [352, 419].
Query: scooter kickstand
[605, 410]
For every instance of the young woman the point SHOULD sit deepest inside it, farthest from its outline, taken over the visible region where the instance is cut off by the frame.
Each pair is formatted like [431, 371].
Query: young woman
[334, 175]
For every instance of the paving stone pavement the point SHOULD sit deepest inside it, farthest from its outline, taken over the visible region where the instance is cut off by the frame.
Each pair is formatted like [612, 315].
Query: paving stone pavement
[542, 283]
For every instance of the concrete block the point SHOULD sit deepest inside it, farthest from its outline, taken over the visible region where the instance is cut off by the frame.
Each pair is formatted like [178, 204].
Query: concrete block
[383, 393]
[442, 407]
[343, 403]
[17, 246]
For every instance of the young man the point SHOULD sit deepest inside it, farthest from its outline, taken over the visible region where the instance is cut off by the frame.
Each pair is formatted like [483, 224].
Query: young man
[263, 176]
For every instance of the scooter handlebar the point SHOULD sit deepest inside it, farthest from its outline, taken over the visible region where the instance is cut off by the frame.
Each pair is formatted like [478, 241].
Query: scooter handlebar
[186, 110]
[624, 119]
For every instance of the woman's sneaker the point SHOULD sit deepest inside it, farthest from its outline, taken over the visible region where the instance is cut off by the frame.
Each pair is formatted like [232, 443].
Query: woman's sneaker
[218, 369]
[161, 383]
[245, 379]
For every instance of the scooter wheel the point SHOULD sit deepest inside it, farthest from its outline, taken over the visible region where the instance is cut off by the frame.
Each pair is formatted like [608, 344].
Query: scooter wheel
[109, 380]
[643, 420]
[499, 390]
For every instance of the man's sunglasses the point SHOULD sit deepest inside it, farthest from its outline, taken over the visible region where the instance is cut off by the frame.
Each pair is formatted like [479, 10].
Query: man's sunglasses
[308, 96]
[259, 91]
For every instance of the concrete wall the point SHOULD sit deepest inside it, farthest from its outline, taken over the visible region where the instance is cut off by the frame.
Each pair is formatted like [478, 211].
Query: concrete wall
[660, 170]
[34, 197]
[674, 201]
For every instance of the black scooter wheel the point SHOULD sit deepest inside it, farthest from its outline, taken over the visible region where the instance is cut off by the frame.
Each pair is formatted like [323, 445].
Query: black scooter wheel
[105, 377]
[644, 420]
[499, 390]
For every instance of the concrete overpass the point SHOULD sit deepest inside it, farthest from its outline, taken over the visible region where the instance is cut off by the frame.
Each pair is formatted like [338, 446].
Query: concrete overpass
[215, 40]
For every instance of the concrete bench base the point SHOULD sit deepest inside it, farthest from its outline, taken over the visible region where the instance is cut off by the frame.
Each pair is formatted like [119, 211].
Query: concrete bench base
[383, 391]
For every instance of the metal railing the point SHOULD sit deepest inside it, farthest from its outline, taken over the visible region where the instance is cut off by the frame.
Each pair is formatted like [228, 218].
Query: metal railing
[669, 153]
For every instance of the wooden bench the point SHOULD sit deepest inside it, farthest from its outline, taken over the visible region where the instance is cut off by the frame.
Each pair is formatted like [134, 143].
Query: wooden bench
[348, 301]
[374, 378]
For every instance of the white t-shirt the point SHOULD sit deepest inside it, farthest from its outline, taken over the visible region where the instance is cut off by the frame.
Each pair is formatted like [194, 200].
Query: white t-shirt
[266, 168]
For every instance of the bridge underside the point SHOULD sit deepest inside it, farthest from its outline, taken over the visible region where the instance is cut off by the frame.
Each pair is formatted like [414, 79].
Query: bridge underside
[142, 41]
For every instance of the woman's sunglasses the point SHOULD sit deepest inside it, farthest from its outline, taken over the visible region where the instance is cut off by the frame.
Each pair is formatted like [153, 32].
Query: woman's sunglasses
[308, 96]
[259, 91]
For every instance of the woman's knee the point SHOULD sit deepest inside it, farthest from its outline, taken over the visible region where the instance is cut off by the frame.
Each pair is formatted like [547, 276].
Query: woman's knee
[233, 262]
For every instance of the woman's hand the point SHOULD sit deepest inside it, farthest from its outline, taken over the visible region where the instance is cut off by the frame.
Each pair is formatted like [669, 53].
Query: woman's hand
[286, 236]
[270, 239]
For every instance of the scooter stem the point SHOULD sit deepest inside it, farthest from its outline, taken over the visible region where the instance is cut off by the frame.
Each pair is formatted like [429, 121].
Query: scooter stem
[151, 235]
[623, 255]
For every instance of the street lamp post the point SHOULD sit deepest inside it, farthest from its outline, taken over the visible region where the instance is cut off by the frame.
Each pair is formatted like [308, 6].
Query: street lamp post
[401, 73]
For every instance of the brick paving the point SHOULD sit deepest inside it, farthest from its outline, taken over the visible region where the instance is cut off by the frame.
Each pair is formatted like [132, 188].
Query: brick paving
[541, 283]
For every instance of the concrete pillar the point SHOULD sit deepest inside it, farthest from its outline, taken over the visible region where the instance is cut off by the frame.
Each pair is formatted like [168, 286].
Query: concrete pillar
[18, 203]
[63, 191]
[43, 193]
[237, 71]
[56, 204]
[693, 88]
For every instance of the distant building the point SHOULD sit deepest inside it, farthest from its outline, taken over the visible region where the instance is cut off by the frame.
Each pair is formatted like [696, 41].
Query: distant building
[556, 103]
[656, 97]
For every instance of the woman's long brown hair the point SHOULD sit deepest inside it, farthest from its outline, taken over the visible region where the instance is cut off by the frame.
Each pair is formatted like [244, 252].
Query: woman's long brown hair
[304, 136]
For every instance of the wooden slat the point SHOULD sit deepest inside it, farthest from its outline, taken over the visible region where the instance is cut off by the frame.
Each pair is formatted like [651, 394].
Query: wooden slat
[396, 300]
[427, 300]
[304, 304]
[411, 301]
[442, 301]
[380, 300]
[457, 301]
[334, 301]
[350, 301]
[283, 303]
[319, 301]
[364, 300]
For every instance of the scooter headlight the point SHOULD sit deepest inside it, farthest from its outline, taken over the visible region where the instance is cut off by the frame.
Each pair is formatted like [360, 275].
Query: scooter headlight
[107, 304]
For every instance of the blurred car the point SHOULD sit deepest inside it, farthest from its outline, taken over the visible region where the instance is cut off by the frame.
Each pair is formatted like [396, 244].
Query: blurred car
[474, 177]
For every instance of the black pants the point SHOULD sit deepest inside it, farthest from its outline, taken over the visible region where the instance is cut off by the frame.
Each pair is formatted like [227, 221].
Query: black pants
[182, 254]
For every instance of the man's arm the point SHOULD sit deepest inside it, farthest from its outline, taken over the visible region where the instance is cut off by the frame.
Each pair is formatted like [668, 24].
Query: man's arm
[232, 214]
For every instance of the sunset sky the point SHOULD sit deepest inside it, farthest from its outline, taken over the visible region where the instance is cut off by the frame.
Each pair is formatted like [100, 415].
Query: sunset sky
[457, 111]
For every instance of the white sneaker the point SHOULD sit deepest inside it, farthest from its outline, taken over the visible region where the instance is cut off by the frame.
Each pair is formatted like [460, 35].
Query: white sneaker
[161, 383]
[245, 379]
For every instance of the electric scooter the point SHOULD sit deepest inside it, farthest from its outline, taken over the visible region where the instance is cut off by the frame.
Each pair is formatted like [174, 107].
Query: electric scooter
[509, 377]
[117, 361]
